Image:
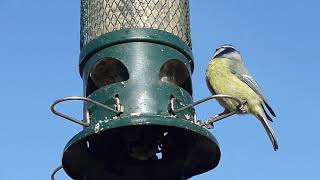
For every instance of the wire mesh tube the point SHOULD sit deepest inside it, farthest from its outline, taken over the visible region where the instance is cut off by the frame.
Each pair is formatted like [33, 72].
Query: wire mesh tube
[102, 16]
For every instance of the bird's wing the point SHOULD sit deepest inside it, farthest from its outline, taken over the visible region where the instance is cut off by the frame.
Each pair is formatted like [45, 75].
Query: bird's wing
[243, 75]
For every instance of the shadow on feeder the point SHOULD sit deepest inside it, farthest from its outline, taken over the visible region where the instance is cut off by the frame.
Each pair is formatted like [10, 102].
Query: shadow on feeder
[174, 71]
[106, 72]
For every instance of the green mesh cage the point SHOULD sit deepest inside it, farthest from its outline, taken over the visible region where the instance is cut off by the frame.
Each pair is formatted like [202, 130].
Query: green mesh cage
[102, 16]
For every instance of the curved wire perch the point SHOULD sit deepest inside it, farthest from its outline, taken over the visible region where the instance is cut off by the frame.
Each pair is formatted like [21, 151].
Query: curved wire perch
[213, 119]
[55, 171]
[219, 96]
[209, 122]
[81, 99]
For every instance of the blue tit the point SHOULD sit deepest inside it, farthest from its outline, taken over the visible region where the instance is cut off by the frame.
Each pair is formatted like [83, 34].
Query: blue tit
[227, 75]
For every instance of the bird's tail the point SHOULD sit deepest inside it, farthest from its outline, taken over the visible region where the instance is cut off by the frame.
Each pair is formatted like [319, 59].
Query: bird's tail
[263, 119]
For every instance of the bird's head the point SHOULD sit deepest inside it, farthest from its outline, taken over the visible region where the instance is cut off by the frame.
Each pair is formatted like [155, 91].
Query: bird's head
[227, 51]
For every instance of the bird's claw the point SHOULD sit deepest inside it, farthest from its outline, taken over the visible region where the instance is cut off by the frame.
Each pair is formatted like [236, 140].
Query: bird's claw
[242, 109]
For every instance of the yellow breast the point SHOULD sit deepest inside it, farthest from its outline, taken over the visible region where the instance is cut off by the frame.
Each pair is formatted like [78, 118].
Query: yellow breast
[222, 81]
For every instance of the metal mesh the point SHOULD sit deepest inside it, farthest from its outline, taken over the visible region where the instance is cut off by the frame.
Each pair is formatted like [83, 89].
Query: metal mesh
[101, 16]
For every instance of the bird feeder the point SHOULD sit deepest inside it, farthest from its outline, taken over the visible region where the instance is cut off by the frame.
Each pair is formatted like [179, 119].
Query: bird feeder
[136, 64]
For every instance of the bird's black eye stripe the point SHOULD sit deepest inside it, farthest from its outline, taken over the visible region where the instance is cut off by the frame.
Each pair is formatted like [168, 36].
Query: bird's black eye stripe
[226, 51]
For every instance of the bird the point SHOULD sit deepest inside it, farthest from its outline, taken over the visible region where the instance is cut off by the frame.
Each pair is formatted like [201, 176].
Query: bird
[226, 74]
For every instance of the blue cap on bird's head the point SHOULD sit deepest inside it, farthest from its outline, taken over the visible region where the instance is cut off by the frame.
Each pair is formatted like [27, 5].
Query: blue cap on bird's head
[227, 51]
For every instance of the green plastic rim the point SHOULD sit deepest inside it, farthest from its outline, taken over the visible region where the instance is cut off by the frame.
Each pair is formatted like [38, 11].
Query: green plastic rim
[141, 120]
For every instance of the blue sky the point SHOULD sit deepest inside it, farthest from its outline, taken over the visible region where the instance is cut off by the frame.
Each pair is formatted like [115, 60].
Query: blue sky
[39, 48]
